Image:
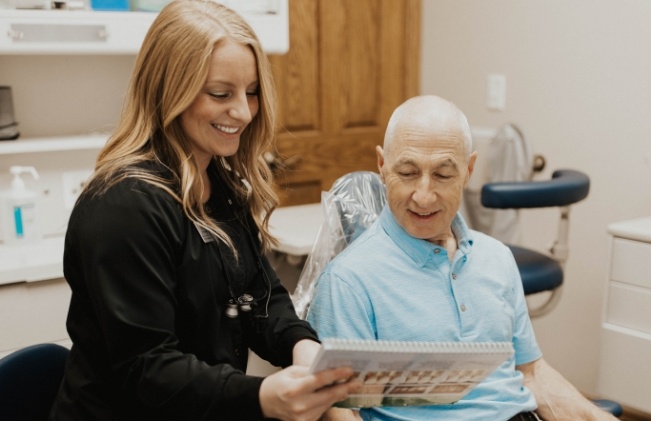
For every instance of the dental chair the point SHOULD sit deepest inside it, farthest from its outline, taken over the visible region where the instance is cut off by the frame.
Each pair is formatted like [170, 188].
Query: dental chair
[29, 381]
[541, 272]
[356, 199]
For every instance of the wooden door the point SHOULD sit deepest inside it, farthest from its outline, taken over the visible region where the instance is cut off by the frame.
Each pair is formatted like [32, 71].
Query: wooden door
[350, 63]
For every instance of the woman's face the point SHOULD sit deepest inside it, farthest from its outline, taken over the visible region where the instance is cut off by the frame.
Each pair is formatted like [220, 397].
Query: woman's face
[225, 105]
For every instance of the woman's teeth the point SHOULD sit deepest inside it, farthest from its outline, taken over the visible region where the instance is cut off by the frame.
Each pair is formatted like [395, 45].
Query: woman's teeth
[229, 130]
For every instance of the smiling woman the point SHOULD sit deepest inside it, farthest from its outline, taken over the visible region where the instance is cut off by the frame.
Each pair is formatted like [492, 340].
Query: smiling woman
[166, 306]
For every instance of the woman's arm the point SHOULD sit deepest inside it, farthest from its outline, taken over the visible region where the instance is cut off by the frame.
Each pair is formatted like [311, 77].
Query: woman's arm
[283, 329]
[305, 351]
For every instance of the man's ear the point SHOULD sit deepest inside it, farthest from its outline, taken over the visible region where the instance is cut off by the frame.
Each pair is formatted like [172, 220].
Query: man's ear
[471, 166]
[380, 160]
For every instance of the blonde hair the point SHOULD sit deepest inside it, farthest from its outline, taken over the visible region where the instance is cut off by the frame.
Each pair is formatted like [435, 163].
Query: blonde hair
[169, 73]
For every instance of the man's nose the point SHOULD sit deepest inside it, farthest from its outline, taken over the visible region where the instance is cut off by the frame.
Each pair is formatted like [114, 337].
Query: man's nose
[425, 192]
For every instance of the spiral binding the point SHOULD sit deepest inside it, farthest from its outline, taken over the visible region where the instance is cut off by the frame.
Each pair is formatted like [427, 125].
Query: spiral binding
[416, 346]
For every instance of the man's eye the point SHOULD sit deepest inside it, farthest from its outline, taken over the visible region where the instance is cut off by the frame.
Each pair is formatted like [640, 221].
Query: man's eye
[443, 176]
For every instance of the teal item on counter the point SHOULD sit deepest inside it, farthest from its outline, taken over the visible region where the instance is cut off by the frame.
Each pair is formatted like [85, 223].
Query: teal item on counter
[110, 5]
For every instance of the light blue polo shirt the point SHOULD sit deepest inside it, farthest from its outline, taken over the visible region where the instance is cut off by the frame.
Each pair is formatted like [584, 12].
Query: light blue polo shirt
[389, 285]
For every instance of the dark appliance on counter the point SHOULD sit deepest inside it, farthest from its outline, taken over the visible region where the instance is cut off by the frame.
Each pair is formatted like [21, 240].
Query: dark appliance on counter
[8, 124]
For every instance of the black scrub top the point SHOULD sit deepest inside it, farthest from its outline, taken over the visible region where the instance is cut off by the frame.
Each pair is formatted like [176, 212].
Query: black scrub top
[147, 316]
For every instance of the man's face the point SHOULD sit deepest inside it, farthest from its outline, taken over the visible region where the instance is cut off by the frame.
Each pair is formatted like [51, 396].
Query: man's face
[425, 173]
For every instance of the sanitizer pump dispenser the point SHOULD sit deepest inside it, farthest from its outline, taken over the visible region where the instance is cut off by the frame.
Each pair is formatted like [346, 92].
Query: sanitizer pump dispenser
[18, 210]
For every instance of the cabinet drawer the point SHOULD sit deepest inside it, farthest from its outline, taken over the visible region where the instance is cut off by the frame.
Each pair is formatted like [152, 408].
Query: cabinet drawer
[31, 313]
[624, 368]
[631, 262]
[629, 306]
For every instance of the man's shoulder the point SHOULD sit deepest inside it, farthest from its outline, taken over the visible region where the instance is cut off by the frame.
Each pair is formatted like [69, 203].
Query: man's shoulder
[364, 253]
[373, 241]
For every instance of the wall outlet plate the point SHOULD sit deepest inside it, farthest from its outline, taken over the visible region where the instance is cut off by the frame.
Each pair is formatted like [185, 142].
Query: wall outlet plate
[496, 95]
[73, 184]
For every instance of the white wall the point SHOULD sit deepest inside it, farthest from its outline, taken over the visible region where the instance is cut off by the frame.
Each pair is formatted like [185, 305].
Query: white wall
[579, 85]
[63, 95]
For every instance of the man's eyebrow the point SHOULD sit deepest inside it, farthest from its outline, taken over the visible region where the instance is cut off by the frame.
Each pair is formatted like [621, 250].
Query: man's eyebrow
[405, 161]
[447, 163]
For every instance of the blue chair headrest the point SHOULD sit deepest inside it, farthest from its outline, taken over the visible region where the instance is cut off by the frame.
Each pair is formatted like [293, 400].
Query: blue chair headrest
[564, 188]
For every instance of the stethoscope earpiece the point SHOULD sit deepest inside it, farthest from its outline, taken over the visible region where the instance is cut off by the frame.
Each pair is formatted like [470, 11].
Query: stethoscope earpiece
[244, 303]
[231, 310]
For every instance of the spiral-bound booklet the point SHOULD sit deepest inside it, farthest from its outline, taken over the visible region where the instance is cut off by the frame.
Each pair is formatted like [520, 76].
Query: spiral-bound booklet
[397, 373]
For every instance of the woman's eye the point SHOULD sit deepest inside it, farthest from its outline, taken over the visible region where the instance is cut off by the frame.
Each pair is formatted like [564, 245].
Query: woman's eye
[253, 93]
[220, 95]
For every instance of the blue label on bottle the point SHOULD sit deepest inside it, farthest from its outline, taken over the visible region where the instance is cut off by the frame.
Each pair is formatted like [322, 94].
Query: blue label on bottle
[18, 221]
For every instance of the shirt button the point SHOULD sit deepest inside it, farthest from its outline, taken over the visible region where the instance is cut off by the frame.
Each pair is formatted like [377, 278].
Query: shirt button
[463, 307]
[437, 251]
[454, 276]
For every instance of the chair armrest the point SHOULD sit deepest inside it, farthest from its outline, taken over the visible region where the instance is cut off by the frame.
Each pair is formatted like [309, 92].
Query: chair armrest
[564, 188]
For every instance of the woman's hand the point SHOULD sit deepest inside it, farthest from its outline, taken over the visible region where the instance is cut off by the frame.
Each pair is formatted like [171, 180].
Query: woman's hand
[295, 395]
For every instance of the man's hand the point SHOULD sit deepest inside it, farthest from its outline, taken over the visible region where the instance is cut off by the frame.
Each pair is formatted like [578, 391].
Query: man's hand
[557, 399]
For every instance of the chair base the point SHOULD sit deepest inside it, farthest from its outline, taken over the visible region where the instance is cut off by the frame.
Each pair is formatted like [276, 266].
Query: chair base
[609, 406]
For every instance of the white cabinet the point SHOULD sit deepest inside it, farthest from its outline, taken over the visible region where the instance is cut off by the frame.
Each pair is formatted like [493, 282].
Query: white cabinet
[32, 313]
[626, 319]
[98, 32]
[72, 31]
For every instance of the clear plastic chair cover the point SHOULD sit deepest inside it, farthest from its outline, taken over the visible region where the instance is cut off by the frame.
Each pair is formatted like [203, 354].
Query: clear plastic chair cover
[353, 203]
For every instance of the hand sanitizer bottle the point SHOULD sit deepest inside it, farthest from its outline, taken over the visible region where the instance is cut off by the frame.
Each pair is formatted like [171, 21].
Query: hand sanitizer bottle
[18, 210]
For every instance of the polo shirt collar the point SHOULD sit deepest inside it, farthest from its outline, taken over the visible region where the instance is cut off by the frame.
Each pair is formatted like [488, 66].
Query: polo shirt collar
[421, 250]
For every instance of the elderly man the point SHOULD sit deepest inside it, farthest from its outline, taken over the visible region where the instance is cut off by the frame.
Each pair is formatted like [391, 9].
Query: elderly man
[420, 274]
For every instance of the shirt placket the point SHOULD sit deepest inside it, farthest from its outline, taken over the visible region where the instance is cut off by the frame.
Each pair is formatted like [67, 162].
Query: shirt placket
[461, 296]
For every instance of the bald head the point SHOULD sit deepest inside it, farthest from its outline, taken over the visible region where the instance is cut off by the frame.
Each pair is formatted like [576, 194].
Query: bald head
[429, 114]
